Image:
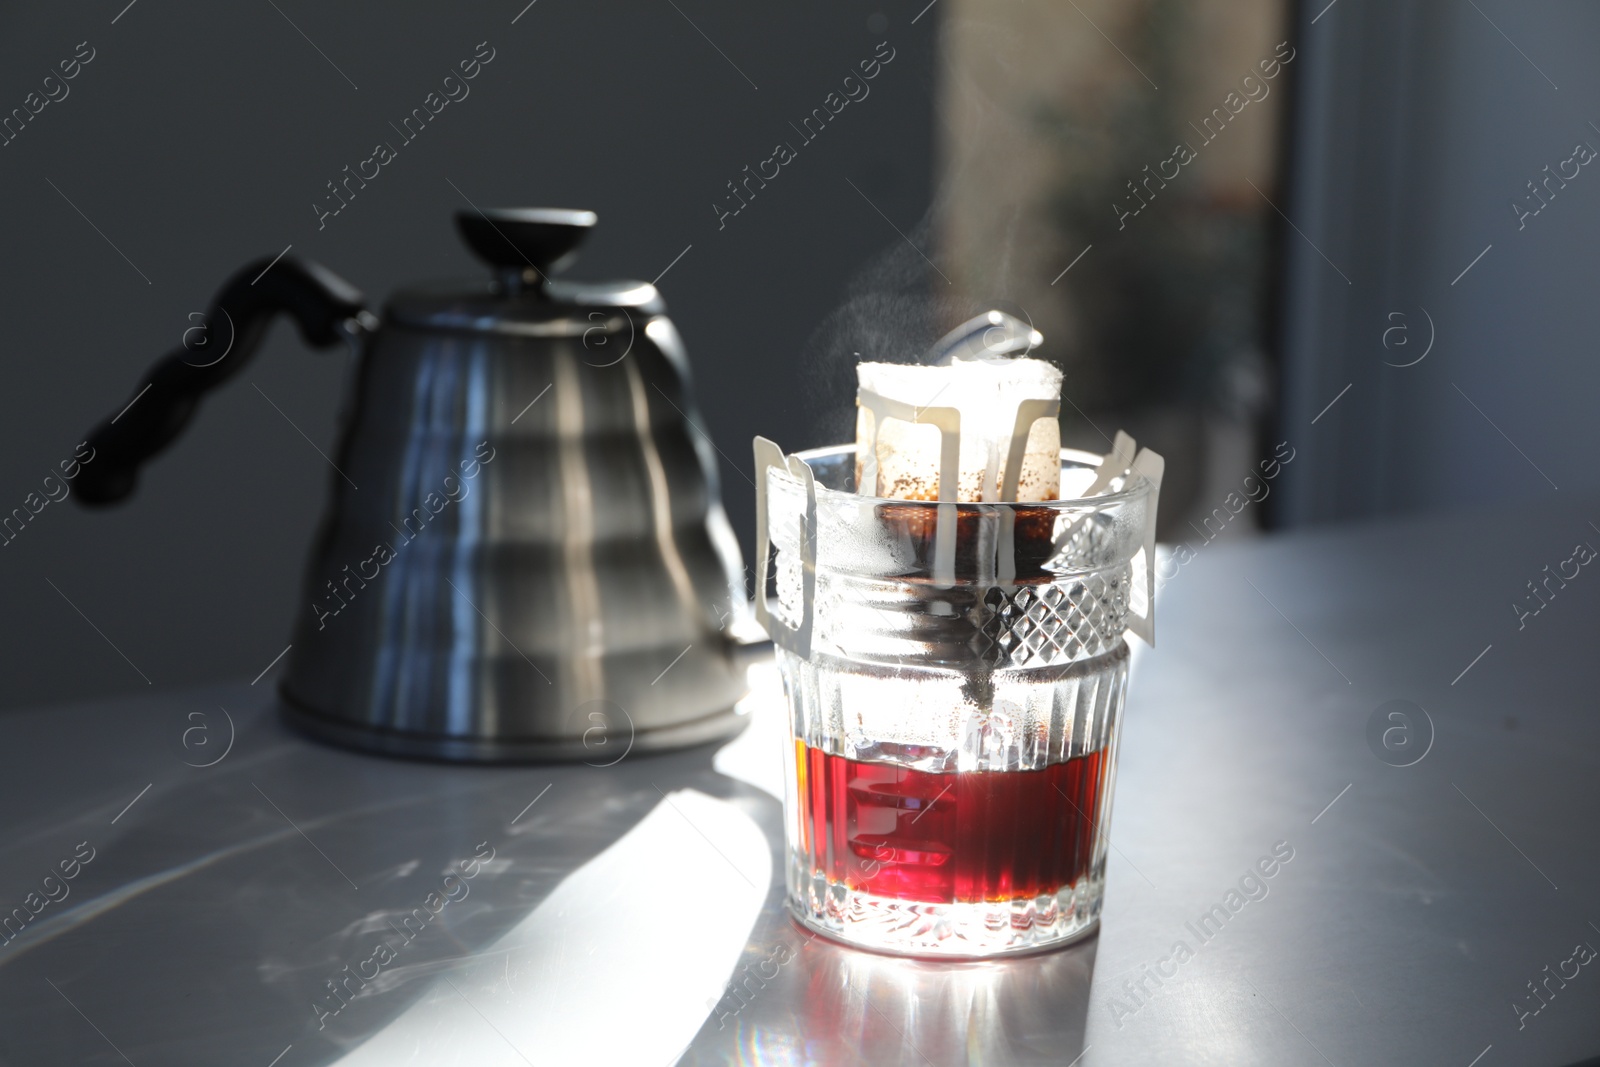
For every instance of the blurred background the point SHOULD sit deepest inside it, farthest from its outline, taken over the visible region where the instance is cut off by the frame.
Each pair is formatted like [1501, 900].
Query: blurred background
[1247, 228]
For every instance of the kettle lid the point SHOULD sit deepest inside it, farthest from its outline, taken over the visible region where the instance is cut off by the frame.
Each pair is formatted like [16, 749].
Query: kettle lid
[525, 246]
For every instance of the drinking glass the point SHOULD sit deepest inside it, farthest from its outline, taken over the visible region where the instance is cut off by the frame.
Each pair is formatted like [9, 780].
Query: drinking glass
[955, 675]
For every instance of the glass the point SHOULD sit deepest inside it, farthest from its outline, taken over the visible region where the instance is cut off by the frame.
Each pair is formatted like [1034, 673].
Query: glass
[955, 674]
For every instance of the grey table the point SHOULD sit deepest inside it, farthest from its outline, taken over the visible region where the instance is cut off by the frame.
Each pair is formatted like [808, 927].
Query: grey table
[233, 913]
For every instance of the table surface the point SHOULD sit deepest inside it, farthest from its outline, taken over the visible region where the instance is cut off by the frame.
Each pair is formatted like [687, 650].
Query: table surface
[632, 913]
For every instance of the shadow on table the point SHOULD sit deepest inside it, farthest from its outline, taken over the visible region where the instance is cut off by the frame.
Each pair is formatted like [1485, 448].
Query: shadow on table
[238, 910]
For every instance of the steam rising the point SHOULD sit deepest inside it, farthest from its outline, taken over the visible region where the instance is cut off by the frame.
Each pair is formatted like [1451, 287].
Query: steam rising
[892, 314]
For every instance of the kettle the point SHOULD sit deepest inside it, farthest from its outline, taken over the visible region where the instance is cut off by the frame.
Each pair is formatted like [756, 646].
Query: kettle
[524, 556]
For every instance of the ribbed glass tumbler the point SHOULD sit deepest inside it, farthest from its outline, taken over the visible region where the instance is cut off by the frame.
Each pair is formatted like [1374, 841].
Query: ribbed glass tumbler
[955, 676]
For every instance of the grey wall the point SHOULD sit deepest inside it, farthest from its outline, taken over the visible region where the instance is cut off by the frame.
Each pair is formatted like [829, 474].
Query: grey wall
[1418, 123]
[200, 135]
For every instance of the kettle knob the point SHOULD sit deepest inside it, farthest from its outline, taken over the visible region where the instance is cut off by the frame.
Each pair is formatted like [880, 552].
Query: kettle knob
[525, 245]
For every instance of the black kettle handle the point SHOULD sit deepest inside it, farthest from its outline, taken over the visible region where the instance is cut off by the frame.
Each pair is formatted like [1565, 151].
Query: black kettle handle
[326, 307]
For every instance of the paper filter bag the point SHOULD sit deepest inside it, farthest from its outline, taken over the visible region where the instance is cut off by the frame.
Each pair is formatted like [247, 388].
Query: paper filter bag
[1003, 412]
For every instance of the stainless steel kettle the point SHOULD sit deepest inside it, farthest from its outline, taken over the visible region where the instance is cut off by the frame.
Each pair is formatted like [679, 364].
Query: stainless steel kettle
[525, 555]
